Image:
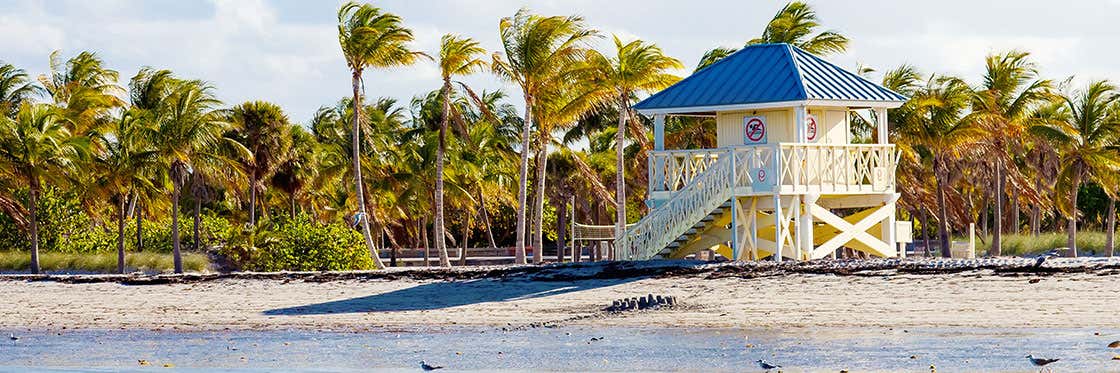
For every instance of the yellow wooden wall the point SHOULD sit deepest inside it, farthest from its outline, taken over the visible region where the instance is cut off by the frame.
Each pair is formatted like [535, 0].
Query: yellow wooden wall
[833, 123]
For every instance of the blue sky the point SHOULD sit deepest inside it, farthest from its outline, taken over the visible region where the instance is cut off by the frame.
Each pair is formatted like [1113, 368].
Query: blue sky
[286, 51]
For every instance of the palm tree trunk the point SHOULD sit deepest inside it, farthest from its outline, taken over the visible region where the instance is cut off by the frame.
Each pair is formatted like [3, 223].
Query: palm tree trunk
[561, 217]
[1014, 202]
[486, 220]
[253, 201]
[466, 238]
[33, 201]
[139, 228]
[925, 231]
[120, 235]
[197, 224]
[441, 244]
[292, 201]
[538, 199]
[523, 181]
[1071, 230]
[997, 218]
[424, 233]
[355, 81]
[620, 172]
[942, 215]
[1108, 243]
[178, 259]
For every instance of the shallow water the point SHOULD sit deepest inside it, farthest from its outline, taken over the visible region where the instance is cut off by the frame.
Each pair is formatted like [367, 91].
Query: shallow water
[560, 349]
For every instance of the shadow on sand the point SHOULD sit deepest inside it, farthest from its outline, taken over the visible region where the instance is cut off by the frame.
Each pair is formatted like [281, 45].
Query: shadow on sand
[443, 294]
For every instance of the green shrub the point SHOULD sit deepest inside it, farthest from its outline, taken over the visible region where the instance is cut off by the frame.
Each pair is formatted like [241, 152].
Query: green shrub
[299, 245]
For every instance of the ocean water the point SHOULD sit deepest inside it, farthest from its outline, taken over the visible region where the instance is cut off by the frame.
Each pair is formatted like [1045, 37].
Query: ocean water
[571, 348]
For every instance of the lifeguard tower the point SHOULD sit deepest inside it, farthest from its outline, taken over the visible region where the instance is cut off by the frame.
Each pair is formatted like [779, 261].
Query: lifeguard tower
[784, 165]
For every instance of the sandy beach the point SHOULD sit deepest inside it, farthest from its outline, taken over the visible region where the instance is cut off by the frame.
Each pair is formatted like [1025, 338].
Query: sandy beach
[709, 296]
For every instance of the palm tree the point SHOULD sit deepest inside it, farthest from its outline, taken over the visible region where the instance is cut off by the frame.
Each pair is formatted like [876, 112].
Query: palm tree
[1087, 135]
[637, 67]
[148, 95]
[125, 164]
[369, 38]
[1003, 103]
[934, 124]
[84, 89]
[15, 88]
[458, 56]
[300, 168]
[188, 128]
[262, 128]
[37, 148]
[537, 48]
[796, 23]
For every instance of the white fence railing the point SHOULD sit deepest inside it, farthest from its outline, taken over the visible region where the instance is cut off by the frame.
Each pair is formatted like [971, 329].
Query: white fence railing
[846, 168]
[692, 202]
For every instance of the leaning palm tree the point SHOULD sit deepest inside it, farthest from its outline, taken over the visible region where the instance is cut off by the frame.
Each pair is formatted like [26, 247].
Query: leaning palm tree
[369, 38]
[38, 149]
[262, 127]
[796, 24]
[1087, 133]
[1003, 104]
[537, 48]
[637, 67]
[935, 125]
[458, 56]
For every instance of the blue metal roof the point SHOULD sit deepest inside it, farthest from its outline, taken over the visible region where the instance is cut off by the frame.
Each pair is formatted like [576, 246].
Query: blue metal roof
[768, 73]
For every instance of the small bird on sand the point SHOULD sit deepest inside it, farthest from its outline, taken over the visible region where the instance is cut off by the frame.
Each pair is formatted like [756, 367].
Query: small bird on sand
[1042, 258]
[1040, 362]
[12, 337]
[427, 367]
[766, 365]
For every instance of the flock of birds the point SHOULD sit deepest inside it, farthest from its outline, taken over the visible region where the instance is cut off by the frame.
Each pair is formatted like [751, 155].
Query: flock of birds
[768, 366]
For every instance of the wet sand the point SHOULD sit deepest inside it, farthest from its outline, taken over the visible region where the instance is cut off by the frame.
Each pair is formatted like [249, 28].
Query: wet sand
[708, 296]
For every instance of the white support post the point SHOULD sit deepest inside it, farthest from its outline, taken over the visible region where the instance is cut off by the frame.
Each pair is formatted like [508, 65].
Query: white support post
[657, 168]
[806, 234]
[778, 220]
[881, 124]
[800, 114]
[735, 249]
[887, 224]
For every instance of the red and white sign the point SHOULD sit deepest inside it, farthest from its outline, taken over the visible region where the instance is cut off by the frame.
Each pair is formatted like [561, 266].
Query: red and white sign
[810, 127]
[754, 130]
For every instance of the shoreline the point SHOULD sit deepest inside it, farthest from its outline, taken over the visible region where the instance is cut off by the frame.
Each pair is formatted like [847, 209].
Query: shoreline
[877, 295]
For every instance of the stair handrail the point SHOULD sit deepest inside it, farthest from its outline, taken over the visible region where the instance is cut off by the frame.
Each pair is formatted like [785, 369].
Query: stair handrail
[690, 204]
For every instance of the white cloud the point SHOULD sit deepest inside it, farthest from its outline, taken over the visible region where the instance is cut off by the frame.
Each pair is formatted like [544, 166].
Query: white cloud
[287, 51]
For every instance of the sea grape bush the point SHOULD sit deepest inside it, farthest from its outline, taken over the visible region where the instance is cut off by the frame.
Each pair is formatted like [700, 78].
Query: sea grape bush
[299, 244]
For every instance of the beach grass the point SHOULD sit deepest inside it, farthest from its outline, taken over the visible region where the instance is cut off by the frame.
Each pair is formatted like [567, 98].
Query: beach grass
[102, 262]
[1088, 243]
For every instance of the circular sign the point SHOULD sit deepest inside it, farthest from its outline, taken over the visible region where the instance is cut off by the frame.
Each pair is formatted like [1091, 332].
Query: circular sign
[761, 175]
[755, 129]
[810, 127]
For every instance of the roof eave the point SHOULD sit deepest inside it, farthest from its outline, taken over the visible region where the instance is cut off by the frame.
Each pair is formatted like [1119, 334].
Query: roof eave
[769, 105]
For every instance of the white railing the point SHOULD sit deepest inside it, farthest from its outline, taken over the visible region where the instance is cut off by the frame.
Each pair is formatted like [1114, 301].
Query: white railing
[696, 199]
[855, 168]
[671, 170]
[846, 168]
